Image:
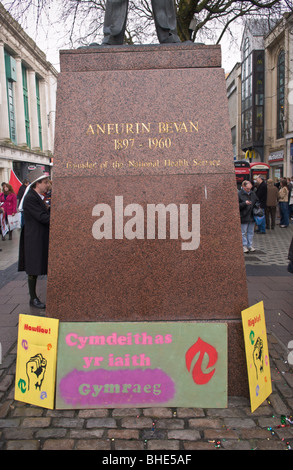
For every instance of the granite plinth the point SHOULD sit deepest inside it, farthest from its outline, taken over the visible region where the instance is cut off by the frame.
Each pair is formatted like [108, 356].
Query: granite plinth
[137, 127]
[140, 57]
[146, 279]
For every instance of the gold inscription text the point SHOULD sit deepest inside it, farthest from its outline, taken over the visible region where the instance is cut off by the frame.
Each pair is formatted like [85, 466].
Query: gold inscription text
[135, 128]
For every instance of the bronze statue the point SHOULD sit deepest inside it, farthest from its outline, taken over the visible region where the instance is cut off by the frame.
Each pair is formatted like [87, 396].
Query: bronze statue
[116, 16]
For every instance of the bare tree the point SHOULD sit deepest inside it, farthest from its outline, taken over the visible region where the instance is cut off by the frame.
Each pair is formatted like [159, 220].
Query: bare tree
[82, 20]
[198, 16]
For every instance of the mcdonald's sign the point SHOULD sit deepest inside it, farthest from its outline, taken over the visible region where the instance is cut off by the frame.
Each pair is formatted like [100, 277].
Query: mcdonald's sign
[250, 154]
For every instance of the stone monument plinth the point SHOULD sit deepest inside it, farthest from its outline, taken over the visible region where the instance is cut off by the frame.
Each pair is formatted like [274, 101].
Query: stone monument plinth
[145, 220]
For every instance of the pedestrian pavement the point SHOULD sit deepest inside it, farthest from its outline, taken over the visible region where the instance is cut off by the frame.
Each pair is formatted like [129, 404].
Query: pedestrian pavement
[28, 427]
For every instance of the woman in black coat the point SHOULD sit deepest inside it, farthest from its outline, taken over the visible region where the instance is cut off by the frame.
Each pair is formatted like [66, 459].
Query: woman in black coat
[34, 239]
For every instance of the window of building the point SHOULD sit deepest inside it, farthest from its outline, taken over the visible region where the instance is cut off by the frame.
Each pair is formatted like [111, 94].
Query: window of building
[247, 127]
[234, 143]
[252, 97]
[280, 95]
[39, 112]
[26, 109]
[246, 94]
[10, 71]
[259, 73]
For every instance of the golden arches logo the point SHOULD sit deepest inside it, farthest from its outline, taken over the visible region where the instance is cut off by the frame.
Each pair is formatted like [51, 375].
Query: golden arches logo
[250, 154]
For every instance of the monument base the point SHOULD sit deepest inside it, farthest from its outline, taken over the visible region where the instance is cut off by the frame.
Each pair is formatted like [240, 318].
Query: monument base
[145, 218]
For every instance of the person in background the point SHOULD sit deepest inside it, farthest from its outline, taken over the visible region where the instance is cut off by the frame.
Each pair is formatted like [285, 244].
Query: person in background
[290, 198]
[247, 199]
[9, 200]
[271, 205]
[284, 204]
[277, 183]
[21, 190]
[34, 238]
[261, 193]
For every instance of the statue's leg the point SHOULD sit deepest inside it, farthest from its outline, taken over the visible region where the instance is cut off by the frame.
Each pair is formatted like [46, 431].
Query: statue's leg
[165, 20]
[115, 21]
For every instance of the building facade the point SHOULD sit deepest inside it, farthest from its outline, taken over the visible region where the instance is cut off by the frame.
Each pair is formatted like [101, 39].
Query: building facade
[233, 85]
[28, 85]
[262, 86]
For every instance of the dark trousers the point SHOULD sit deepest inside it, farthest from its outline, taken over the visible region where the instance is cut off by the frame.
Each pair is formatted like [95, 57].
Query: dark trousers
[116, 17]
[271, 216]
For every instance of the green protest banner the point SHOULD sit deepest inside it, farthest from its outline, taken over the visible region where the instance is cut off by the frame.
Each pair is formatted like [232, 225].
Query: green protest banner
[174, 364]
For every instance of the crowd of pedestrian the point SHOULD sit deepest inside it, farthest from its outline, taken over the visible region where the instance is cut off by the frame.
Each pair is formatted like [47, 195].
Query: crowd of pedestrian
[258, 205]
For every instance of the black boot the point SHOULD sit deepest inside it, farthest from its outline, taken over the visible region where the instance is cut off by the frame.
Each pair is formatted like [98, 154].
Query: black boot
[34, 301]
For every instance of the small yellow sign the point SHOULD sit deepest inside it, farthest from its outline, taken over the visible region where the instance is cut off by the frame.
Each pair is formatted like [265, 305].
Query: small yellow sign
[257, 354]
[36, 360]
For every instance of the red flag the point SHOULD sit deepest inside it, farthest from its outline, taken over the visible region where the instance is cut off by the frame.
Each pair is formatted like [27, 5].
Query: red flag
[14, 181]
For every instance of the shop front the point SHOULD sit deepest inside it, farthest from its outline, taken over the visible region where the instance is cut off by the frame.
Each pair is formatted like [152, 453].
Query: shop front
[276, 162]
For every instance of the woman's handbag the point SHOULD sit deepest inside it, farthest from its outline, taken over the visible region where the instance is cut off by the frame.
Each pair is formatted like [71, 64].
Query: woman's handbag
[257, 210]
[14, 221]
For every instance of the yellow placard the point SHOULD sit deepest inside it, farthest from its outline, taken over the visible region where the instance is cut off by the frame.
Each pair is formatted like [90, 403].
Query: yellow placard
[257, 354]
[36, 360]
